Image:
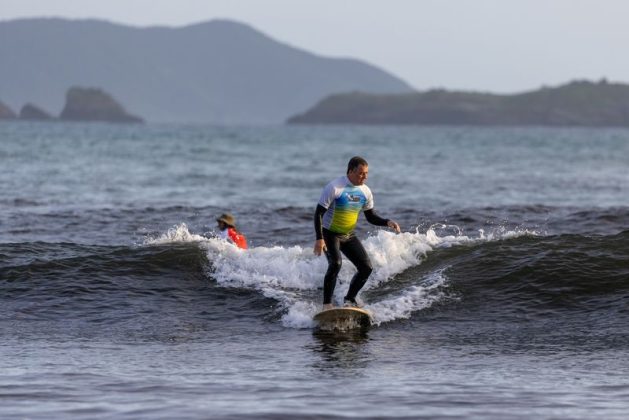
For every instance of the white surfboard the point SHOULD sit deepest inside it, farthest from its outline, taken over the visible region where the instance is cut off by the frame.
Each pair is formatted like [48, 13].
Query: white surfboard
[343, 319]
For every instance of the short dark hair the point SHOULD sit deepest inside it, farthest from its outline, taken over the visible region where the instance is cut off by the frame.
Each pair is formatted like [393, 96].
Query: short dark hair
[355, 162]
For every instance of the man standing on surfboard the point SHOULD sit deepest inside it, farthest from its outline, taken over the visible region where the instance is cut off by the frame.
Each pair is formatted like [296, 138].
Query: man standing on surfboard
[335, 219]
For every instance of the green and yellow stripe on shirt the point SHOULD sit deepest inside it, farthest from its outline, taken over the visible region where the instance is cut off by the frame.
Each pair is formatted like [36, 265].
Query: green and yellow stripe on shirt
[343, 202]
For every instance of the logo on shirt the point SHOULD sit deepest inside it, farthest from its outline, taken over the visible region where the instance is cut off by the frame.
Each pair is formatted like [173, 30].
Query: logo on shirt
[353, 198]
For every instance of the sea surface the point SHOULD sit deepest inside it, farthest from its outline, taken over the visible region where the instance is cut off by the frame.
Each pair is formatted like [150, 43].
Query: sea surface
[506, 296]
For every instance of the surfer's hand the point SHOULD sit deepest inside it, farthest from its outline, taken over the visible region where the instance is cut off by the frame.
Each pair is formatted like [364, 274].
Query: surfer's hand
[393, 225]
[319, 247]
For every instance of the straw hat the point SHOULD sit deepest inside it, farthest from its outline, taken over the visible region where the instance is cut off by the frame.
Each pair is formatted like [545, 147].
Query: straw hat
[228, 219]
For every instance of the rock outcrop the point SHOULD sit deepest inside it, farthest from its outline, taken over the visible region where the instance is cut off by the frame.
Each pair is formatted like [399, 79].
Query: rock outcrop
[6, 113]
[91, 104]
[34, 113]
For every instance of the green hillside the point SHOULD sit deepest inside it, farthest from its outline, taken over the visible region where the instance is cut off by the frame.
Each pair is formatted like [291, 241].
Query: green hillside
[579, 103]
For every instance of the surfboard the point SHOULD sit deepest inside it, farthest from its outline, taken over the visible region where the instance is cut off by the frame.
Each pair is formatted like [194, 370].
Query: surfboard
[343, 319]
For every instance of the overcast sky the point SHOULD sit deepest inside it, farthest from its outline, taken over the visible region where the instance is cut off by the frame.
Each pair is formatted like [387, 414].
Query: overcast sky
[488, 45]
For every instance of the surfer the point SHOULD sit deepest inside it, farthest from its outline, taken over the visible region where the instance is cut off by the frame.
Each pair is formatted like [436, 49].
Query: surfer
[226, 224]
[335, 219]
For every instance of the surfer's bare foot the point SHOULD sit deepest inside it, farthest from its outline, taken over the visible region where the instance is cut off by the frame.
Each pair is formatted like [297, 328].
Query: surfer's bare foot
[327, 306]
[353, 303]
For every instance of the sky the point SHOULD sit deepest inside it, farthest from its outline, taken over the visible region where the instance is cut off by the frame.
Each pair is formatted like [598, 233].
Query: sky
[502, 46]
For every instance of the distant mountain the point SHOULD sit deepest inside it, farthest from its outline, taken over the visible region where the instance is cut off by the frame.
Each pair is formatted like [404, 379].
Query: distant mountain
[218, 71]
[579, 103]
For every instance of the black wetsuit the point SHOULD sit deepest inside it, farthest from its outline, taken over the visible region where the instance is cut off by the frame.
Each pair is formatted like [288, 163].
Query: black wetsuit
[351, 247]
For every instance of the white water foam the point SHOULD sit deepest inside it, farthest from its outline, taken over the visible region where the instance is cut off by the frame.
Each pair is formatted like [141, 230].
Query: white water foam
[293, 275]
[410, 300]
[178, 233]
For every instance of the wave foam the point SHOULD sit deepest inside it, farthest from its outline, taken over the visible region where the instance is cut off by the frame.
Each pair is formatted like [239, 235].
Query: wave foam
[294, 275]
[410, 300]
[178, 233]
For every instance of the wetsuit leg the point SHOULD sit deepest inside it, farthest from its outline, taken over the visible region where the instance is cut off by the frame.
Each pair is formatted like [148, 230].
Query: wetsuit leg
[333, 254]
[355, 252]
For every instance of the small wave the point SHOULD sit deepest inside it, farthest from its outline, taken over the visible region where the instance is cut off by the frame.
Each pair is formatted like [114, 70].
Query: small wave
[549, 276]
[78, 284]
[293, 275]
[176, 234]
[495, 275]
[411, 299]
[20, 202]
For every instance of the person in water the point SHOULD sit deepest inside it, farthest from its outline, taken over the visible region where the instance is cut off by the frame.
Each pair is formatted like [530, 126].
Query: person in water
[335, 219]
[226, 224]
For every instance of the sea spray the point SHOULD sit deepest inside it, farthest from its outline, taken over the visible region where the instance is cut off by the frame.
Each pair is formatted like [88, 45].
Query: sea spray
[178, 233]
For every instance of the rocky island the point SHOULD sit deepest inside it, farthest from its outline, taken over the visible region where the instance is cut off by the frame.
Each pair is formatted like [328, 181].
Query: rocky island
[6, 113]
[579, 103]
[82, 104]
[32, 112]
[91, 104]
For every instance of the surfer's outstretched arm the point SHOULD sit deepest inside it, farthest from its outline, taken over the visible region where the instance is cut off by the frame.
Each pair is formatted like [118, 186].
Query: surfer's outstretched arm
[373, 218]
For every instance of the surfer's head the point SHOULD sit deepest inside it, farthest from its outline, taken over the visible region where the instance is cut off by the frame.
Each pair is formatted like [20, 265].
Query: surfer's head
[357, 170]
[225, 221]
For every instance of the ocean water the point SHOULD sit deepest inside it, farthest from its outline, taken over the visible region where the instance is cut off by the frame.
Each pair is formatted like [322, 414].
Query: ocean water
[506, 295]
